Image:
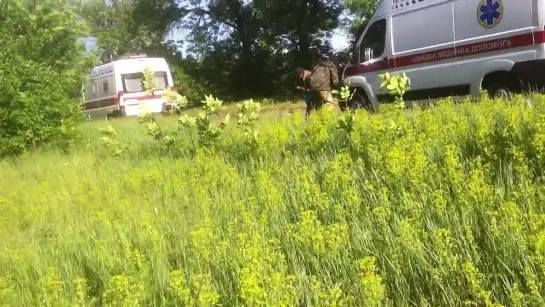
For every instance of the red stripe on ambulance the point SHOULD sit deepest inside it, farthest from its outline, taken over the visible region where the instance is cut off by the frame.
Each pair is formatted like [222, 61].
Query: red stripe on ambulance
[149, 97]
[108, 102]
[504, 43]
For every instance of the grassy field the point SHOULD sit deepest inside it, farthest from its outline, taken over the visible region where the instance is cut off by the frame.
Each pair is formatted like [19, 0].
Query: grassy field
[436, 207]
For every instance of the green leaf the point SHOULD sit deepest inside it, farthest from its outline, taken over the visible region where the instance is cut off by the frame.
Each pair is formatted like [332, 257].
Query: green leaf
[394, 82]
[391, 87]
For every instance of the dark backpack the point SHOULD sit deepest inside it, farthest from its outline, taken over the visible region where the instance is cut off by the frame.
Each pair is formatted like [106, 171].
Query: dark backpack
[325, 76]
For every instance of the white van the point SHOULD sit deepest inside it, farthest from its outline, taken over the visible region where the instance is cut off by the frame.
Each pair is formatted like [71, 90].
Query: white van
[450, 47]
[115, 89]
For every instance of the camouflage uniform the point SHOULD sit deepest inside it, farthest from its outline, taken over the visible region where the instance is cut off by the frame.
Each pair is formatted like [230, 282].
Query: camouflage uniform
[325, 77]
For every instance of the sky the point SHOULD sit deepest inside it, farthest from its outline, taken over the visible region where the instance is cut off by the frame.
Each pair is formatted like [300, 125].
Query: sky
[339, 40]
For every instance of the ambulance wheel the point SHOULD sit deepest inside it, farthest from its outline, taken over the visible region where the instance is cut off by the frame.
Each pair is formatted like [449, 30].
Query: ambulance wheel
[359, 100]
[500, 84]
[115, 114]
[497, 91]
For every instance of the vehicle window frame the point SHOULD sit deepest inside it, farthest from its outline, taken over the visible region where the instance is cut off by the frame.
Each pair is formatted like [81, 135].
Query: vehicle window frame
[361, 49]
[157, 74]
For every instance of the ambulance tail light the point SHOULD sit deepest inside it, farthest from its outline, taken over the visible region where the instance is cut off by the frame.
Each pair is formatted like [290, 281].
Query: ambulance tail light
[119, 100]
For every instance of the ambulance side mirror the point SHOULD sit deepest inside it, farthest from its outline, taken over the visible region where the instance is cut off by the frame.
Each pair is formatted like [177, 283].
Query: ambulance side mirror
[354, 58]
[368, 54]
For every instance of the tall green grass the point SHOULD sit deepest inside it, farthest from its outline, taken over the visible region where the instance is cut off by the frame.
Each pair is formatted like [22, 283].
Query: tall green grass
[435, 207]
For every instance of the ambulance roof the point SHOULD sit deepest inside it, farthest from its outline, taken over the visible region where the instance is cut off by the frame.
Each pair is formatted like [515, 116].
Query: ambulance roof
[108, 68]
[395, 7]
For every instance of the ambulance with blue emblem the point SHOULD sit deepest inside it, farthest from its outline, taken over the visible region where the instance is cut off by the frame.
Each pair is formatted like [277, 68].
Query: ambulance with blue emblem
[450, 48]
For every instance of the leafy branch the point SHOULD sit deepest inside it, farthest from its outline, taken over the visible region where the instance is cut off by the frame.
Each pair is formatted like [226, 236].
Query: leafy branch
[347, 120]
[207, 131]
[109, 140]
[396, 85]
[147, 81]
[248, 116]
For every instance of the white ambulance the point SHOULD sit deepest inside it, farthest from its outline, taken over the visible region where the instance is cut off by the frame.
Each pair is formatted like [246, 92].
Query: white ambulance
[450, 48]
[115, 88]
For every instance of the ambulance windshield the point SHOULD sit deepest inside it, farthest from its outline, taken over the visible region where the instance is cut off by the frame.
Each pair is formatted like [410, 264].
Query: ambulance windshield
[132, 82]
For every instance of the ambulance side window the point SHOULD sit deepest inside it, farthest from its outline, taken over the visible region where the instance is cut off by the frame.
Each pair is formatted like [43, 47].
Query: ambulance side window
[375, 38]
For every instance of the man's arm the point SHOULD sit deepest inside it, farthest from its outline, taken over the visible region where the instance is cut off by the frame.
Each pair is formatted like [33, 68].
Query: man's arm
[298, 84]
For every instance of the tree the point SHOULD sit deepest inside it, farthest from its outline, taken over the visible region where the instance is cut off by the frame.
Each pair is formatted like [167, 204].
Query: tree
[359, 13]
[122, 26]
[304, 26]
[251, 48]
[226, 37]
[40, 86]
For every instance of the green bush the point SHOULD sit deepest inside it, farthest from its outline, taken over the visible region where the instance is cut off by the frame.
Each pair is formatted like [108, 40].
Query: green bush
[42, 67]
[189, 86]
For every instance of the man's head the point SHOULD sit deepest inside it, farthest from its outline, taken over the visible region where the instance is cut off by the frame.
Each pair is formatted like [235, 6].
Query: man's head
[299, 71]
[322, 57]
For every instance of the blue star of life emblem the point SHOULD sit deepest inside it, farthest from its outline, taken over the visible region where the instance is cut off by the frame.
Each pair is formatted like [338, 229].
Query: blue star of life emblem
[490, 13]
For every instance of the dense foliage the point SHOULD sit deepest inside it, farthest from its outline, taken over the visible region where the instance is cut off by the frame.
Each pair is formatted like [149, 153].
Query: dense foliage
[438, 207]
[42, 68]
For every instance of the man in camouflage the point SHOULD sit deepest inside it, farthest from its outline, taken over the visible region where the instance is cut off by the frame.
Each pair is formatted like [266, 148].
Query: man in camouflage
[325, 78]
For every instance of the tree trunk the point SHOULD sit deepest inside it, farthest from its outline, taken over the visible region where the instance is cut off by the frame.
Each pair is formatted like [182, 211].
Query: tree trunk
[303, 44]
[248, 77]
